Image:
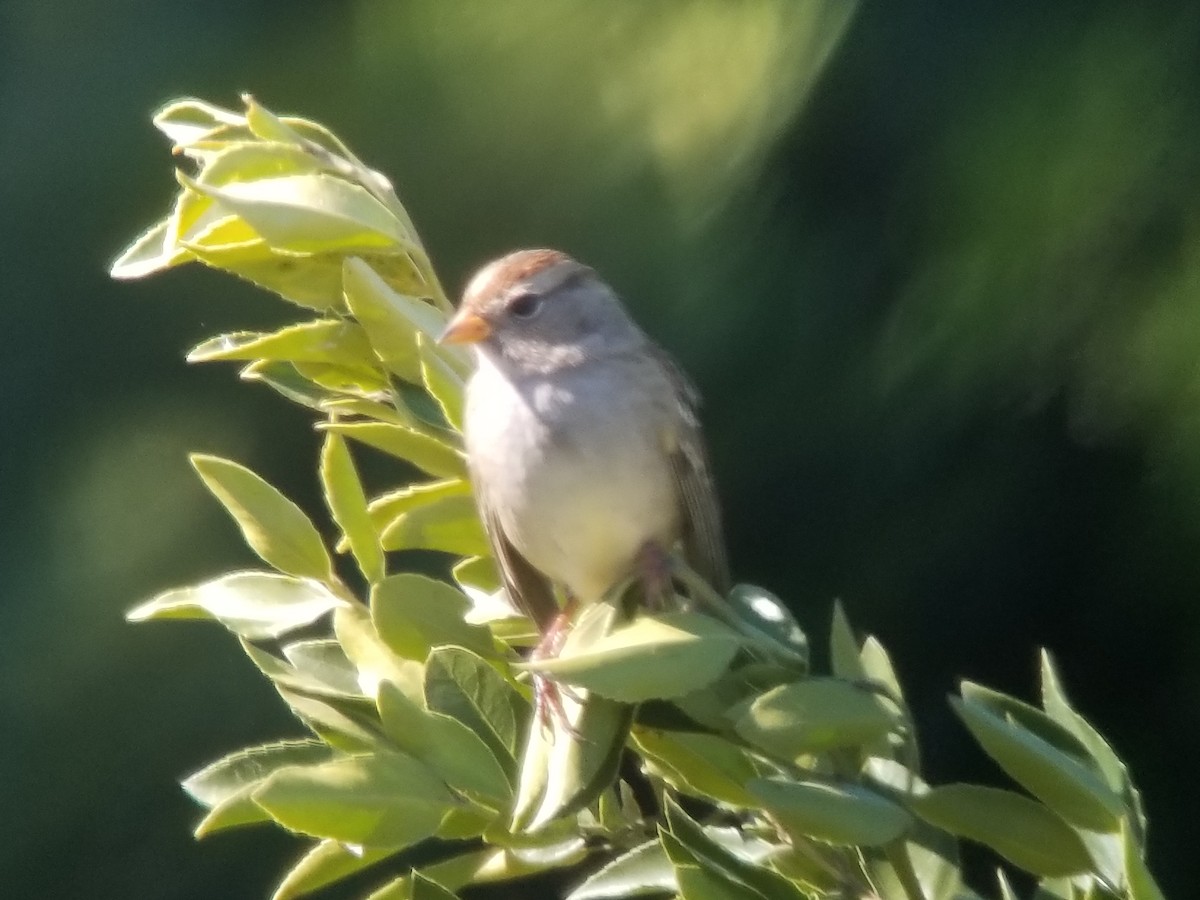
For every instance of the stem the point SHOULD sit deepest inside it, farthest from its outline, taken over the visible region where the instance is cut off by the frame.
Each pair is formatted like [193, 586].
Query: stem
[898, 856]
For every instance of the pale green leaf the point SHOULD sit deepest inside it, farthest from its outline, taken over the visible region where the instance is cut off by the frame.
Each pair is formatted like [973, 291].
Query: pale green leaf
[326, 863]
[185, 121]
[220, 780]
[460, 684]
[348, 504]
[150, 252]
[843, 647]
[1060, 781]
[1021, 830]
[254, 605]
[413, 614]
[273, 526]
[652, 657]
[386, 508]
[393, 321]
[380, 800]
[696, 763]
[812, 716]
[1142, 885]
[449, 524]
[309, 213]
[440, 378]
[446, 745]
[428, 453]
[845, 814]
[373, 659]
[322, 340]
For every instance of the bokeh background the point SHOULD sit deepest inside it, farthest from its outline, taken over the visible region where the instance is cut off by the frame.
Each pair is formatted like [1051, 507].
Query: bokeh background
[936, 267]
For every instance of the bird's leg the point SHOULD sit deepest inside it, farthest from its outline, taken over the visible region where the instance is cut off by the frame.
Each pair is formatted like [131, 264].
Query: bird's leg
[548, 694]
[654, 571]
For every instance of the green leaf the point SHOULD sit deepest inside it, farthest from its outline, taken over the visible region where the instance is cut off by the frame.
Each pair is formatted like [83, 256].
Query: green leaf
[150, 252]
[1058, 780]
[643, 870]
[286, 380]
[1021, 830]
[323, 660]
[265, 124]
[428, 453]
[844, 651]
[234, 811]
[426, 889]
[253, 605]
[567, 763]
[388, 507]
[703, 765]
[188, 120]
[652, 657]
[812, 716]
[320, 341]
[1141, 883]
[311, 212]
[348, 504]
[326, 863]
[449, 524]
[220, 780]
[373, 659]
[446, 745]
[846, 814]
[440, 378]
[1028, 717]
[273, 526]
[313, 282]
[339, 723]
[1116, 774]
[697, 879]
[877, 666]
[461, 685]
[413, 614]
[381, 800]
[394, 320]
[717, 858]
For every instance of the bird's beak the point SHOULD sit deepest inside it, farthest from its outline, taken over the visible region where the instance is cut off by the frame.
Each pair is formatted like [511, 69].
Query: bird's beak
[466, 328]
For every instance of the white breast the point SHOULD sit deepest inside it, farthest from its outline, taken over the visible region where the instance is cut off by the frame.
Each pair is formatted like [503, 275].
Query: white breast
[577, 471]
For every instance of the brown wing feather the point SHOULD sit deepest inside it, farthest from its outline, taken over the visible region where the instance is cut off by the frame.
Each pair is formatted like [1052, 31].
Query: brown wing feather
[703, 540]
[528, 590]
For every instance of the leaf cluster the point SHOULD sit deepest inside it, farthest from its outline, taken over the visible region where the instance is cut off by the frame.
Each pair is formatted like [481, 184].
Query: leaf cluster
[695, 752]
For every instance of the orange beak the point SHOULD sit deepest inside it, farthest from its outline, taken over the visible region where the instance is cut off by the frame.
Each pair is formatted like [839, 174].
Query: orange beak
[466, 328]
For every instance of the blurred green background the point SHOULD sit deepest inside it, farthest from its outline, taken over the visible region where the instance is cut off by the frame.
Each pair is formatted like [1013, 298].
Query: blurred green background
[943, 301]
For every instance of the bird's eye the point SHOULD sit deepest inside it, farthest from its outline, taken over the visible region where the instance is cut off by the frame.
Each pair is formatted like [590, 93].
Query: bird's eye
[525, 306]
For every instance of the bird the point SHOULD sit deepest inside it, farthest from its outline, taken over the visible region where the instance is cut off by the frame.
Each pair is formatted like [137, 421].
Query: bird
[583, 441]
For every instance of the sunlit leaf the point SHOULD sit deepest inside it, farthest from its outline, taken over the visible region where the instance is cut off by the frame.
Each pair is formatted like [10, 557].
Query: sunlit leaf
[348, 504]
[700, 764]
[843, 814]
[326, 863]
[446, 745]
[813, 715]
[442, 380]
[413, 614]
[664, 656]
[380, 800]
[220, 780]
[308, 213]
[1021, 830]
[254, 605]
[461, 685]
[449, 524]
[1058, 780]
[273, 526]
[427, 453]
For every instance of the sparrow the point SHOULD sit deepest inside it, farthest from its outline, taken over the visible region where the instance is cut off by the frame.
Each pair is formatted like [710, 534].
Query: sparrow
[583, 443]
